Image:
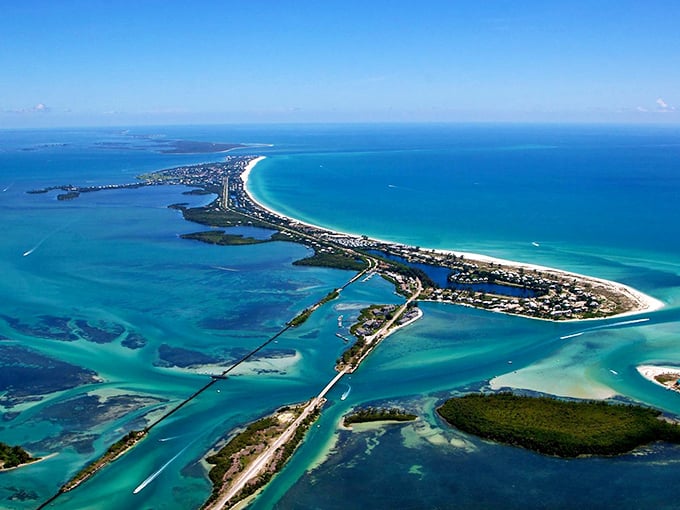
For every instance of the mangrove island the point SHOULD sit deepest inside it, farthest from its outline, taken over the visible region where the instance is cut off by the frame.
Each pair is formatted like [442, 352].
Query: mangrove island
[558, 427]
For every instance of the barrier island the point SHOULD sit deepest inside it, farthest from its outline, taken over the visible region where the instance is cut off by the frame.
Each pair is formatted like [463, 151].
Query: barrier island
[558, 427]
[470, 279]
[247, 462]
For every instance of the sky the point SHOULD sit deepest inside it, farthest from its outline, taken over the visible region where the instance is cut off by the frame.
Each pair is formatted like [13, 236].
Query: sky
[92, 62]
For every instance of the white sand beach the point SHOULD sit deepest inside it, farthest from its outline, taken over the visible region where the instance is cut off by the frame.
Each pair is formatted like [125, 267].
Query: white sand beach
[645, 302]
[650, 372]
[246, 173]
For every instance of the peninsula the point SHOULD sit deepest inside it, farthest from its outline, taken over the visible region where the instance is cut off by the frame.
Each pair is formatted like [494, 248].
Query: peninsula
[471, 280]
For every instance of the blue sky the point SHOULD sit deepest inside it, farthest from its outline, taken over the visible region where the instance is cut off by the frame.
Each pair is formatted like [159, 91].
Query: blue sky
[154, 62]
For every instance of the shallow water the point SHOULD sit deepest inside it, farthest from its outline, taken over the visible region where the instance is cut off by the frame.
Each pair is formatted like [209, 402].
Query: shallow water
[596, 200]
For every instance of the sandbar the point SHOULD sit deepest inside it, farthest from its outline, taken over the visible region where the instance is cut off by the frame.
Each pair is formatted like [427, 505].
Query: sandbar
[651, 372]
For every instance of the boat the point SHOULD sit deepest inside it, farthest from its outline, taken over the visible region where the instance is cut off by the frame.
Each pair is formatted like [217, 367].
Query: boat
[346, 393]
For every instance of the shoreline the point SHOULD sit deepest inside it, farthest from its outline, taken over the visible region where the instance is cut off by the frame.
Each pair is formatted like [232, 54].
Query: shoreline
[645, 302]
[246, 173]
[35, 461]
[650, 372]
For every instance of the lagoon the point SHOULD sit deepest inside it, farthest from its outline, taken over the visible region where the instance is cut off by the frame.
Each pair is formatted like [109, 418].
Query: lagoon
[596, 199]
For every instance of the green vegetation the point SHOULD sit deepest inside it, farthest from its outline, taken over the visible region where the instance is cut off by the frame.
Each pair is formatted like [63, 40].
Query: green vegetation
[222, 460]
[245, 446]
[115, 450]
[377, 414]
[223, 239]
[329, 297]
[353, 353]
[286, 452]
[403, 269]
[13, 456]
[307, 312]
[372, 313]
[70, 195]
[370, 320]
[667, 378]
[214, 217]
[558, 427]
[198, 192]
[301, 318]
[336, 259]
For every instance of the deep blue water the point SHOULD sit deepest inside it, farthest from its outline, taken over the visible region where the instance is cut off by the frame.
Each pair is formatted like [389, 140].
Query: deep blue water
[599, 200]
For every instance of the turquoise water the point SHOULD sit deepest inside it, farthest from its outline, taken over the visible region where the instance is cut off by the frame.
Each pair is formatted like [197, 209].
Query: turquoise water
[597, 200]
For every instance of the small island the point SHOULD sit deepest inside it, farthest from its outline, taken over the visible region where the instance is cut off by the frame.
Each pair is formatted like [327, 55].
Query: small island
[373, 414]
[14, 456]
[221, 238]
[668, 377]
[558, 427]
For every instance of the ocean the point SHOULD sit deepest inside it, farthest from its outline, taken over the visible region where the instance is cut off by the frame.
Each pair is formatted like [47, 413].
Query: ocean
[108, 316]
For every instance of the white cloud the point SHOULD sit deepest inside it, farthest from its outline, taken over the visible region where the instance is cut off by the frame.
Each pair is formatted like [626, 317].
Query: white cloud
[38, 108]
[660, 106]
[663, 106]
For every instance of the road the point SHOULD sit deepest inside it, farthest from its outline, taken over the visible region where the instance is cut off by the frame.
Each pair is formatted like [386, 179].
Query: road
[266, 457]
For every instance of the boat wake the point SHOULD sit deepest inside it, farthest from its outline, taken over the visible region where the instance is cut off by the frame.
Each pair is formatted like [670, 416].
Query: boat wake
[153, 476]
[622, 323]
[27, 253]
[606, 326]
[346, 393]
[39, 244]
[164, 439]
